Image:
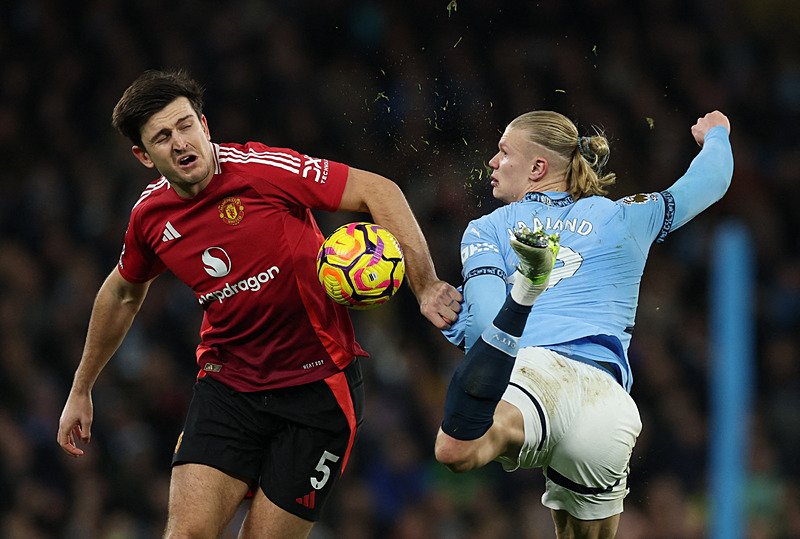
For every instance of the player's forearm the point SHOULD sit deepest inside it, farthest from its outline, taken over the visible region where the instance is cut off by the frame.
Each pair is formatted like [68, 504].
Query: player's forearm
[393, 213]
[112, 316]
[385, 201]
[484, 295]
[707, 178]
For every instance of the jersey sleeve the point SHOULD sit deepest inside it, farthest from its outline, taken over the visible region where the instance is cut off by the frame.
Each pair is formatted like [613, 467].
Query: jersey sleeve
[649, 216]
[137, 262]
[482, 252]
[707, 179]
[484, 270]
[299, 179]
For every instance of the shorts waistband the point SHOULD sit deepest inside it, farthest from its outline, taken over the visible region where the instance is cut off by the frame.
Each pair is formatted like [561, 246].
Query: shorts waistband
[611, 368]
[606, 366]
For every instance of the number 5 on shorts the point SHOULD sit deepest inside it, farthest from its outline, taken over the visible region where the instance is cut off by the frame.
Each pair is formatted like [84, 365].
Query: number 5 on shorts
[324, 468]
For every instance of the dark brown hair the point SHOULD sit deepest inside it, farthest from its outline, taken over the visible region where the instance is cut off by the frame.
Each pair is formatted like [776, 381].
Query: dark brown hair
[150, 93]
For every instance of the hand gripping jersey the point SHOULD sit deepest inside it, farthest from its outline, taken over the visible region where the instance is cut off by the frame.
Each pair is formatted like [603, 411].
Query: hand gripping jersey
[246, 245]
[589, 308]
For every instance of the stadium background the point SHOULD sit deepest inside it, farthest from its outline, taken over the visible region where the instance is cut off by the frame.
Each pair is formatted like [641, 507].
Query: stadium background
[419, 93]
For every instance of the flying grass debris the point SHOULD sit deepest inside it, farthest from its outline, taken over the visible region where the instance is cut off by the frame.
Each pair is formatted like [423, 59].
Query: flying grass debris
[451, 7]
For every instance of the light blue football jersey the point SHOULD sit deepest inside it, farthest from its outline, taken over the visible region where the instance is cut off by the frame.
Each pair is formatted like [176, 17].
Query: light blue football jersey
[589, 308]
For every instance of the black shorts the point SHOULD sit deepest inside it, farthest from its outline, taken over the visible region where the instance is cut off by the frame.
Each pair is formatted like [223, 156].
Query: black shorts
[293, 442]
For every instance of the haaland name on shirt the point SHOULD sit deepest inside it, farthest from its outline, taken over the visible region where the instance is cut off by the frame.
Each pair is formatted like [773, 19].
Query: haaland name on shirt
[584, 228]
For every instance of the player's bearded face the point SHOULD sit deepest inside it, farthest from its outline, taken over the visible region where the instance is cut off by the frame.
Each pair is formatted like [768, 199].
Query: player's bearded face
[176, 142]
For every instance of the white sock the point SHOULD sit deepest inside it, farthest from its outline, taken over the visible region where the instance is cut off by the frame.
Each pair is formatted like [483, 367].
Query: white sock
[523, 291]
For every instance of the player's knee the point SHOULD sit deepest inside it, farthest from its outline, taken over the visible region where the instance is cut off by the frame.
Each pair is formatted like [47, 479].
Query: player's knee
[455, 454]
[181, 527]
[174, 531]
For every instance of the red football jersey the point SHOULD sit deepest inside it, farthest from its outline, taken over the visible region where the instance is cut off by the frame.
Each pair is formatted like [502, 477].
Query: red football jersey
[247, 245]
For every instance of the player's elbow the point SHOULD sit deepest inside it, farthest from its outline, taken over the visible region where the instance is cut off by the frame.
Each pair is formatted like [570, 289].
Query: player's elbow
[367, 191]
[457, 455]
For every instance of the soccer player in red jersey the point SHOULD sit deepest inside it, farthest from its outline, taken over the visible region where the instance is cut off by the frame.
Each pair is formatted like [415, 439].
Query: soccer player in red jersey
[279, 395]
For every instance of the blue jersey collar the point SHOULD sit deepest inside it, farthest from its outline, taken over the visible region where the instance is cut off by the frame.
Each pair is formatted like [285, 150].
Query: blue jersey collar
[552, 198]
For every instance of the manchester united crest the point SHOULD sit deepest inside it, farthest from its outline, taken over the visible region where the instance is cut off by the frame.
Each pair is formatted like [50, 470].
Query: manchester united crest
[231, 210]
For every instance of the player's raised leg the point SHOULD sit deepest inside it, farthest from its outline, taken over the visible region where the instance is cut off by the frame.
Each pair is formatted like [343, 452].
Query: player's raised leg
[465, 440]
[202, 500]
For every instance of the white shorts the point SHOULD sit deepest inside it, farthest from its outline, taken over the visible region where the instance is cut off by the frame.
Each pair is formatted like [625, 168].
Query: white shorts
[580, 428]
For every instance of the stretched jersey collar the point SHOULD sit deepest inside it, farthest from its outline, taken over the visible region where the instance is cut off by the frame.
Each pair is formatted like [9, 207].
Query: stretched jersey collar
[552, 198]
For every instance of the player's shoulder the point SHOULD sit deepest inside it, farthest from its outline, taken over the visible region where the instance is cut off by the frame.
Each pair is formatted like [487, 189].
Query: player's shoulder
[256, 158]
[488, 224]
[640, 199]
[599, 206]
[594, 203]
[245, 148]
[152, 194]
[255, 153]
[644, 205]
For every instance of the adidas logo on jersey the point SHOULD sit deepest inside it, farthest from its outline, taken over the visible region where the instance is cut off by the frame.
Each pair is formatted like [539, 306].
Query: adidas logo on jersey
[170, 233]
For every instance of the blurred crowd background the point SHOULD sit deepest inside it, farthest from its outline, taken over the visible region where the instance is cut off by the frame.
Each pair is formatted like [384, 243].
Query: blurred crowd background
[418, 91]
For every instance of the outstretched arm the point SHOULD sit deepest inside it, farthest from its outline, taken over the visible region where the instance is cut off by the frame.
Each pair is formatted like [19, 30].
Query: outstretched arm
[709, 174]
[115, 306]
[383, 199]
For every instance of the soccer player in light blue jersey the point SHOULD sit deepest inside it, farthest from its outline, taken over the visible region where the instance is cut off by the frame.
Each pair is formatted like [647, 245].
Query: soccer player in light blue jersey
[548, 385]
